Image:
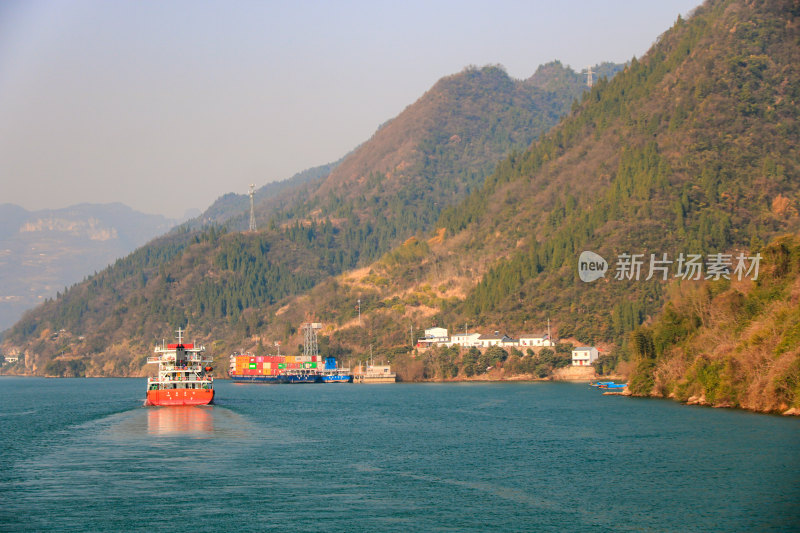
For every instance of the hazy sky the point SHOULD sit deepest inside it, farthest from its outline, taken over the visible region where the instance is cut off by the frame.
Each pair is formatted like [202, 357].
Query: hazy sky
[167, 105]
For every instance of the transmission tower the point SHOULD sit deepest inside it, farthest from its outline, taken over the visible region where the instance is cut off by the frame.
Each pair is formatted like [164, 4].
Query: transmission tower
[589, 80]
[252, 208]
[310, 346]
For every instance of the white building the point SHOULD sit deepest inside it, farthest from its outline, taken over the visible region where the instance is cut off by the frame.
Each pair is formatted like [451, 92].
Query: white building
[584, 355]
[535, 340]
[439, 334]
[434, 336]
[486, 341]
[465, 340]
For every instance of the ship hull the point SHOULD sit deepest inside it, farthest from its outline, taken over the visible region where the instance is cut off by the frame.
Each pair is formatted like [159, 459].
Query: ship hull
[374, 379]
[311, 378]
[257, 379]
[337, 379]
[180, 397]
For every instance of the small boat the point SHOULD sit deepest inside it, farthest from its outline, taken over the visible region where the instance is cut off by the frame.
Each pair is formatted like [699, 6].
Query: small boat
[609, 385]
[184, 375]
[335, 375]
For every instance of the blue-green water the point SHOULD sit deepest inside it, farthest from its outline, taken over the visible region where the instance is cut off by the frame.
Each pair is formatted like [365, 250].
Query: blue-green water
[83, 455]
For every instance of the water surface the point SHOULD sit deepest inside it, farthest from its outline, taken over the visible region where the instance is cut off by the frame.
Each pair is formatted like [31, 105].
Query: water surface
[84, 455]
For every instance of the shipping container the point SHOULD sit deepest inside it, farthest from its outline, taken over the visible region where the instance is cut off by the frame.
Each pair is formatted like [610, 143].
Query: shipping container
[252, 366]
[282, 366]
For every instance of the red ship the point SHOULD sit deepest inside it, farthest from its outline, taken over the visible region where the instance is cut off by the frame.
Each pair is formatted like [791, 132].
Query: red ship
[184, 375]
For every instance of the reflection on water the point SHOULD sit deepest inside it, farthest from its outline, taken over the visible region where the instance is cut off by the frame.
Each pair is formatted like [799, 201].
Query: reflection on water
[181, 420]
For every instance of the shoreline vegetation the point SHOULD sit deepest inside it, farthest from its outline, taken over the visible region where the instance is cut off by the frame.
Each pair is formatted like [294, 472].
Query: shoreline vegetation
[727, 343]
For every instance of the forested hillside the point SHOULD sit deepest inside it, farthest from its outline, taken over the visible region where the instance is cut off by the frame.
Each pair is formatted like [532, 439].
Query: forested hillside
[232, 210]
[440, 149]
[728, 343]
[693, 149]
[220, 282]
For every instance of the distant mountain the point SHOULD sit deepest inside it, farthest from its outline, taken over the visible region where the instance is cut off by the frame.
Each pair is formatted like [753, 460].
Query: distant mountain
[319, 224]
[42, 252]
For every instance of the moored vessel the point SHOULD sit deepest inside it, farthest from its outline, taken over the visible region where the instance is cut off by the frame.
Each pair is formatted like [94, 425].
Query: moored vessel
[248, 368]
[374, 374]
[307, 368]
[184, 375]
[332, 374]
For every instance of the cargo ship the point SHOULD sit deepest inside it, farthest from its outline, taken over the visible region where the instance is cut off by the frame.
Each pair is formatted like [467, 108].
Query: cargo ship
[307, 368]
[184, 375]
[249, 368]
